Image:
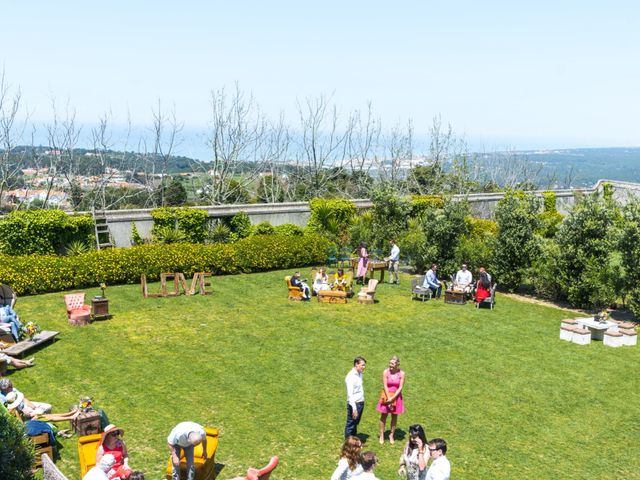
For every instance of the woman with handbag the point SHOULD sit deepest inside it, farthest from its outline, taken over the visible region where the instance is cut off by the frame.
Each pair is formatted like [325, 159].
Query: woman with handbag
[391, 397]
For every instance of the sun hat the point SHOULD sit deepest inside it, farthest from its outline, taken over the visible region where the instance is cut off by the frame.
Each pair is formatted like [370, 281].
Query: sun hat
[14, 399]
[112, 428]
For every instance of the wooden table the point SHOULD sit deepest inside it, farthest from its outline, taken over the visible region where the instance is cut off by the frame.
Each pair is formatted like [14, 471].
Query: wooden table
[20, 348]
[372, 267]
[457, 298]
[332, 296]
[100, 308]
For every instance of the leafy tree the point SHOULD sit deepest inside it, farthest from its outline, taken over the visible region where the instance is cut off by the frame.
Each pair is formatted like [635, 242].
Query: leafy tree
[516, 244]
[16, 452]
[390, 214]
[586, 240]
[629, 247]
[175, 195]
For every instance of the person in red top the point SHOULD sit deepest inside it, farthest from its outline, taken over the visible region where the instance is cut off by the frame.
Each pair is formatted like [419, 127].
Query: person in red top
[113, 444]
[483, 287]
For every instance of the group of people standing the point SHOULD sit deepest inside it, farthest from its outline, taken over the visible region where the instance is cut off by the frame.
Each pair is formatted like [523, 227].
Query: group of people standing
[414, 461]
[393, 262]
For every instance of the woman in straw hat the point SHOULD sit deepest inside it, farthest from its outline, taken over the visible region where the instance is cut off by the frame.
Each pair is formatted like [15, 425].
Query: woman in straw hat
[113, 444]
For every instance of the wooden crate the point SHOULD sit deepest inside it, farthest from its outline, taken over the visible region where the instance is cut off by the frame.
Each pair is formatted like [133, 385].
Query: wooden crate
[457, 298]
[87, 424]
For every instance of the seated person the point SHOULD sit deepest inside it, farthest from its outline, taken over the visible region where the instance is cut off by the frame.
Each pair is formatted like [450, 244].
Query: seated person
[340, 281]
[431, 281]
[483, 287]
[321, 282]
[10, 322]
[463, 281]
[302, 285]
[37, 410]
[113, 444]
[15, 362]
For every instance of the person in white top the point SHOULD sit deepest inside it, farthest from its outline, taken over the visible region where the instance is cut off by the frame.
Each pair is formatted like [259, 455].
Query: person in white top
[440, 468]
[185, 436]
[463, 280]
[349, 463]
[99, 472]
[369, 462]
[355, 396]
[321, 282]
[393, 259]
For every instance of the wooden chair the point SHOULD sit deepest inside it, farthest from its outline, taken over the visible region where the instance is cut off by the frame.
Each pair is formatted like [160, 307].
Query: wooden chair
[491, 300]
[417, 291]
[42, 446]
[87, 447]
[366, 294]
[294, 292]
[205, 469]
[49, 469]
[77, 312]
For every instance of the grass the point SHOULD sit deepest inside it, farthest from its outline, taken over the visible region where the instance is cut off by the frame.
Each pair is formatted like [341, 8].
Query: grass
[510, 398]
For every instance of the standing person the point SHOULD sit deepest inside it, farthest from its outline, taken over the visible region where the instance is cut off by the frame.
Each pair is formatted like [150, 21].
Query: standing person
[440, 468]
[111, 443]
[431, 281]
[464, 280]
[355, 396]
[414, 458]
[363, 263]
[392, 383]
[394, 259]
[349, 463]
[369, 463]
[185, 436]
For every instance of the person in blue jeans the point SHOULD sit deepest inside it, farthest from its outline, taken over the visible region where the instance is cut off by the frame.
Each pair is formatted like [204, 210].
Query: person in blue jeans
[431, 281]
[185, 436]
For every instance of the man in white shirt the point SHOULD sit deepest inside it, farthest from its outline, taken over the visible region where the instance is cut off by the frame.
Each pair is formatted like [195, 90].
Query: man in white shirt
[464, 280]
[355, 396]
[185, 436]
[394, 259]
[440, 468]
[99, 472]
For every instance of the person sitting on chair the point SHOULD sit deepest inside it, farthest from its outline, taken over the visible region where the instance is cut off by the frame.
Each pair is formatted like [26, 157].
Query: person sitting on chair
[431, 281]
[302, 285]
[111, 443]
[340, 281]
[483, 287]
[15, 362]
[463, 280]
[10, 322]
[99, 472]
[321, 282]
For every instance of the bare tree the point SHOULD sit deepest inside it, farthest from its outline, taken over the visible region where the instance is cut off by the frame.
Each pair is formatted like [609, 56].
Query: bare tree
[510, 169]
[363, 143]
[11, 131]
[398, 153]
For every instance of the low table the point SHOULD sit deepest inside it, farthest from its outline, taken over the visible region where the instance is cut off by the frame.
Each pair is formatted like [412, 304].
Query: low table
[597, 329]
[20, 348]
[332, 296]
[100, 308]
[454, 297]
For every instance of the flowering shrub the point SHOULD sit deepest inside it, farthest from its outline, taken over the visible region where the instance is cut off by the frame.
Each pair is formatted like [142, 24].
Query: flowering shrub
[33, 274]
[43, 231]
[192, 222]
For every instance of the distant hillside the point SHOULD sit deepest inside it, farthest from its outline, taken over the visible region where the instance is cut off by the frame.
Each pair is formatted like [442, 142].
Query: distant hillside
[586, 165]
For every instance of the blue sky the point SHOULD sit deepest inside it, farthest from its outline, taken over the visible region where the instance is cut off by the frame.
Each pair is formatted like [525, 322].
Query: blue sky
[505, 74]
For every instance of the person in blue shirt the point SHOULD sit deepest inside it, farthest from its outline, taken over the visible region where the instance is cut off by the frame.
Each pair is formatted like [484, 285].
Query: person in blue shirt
[431, 281]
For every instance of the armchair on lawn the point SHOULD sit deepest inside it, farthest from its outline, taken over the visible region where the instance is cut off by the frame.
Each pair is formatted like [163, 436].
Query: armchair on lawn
[262, 474]
[77, 311]
[366, 294]
[490, 300]
[417, 290]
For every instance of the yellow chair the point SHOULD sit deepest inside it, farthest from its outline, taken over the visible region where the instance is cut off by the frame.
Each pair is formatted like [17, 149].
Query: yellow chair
[87, 447]
[294, 292]
[205, 469]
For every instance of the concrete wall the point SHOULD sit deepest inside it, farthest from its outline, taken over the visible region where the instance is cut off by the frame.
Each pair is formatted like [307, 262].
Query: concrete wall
[482, 205]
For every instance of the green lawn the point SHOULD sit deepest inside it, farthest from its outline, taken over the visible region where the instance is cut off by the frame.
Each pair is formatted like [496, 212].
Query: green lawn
[510, 398]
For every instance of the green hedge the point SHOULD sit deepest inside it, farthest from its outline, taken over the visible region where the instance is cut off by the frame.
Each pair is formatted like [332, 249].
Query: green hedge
[33, 274]
[43, 231]
[190, 221]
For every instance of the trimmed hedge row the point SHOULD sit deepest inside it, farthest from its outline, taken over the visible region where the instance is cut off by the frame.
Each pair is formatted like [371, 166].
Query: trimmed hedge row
[33, 274]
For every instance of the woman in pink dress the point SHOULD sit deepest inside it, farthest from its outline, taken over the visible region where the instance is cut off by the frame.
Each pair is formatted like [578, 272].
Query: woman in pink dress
[392, 383]
[363, 263]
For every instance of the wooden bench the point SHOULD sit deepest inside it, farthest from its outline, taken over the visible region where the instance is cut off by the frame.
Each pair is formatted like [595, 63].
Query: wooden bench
[332, 296]
[20, 348]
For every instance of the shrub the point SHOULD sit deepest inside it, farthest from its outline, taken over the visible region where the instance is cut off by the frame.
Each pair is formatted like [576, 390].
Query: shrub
[550, 219]
[422, 203]
[167, 235]
[16, 451]
[33, 274]
[332, 218]
[77, 247]
[629, 247]
[192, 222]
[288, 230]
[136, 238]
[240, 225]
[516, 244]
[390, 215]
[43, 231]
[263, 228]
[219, 232]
